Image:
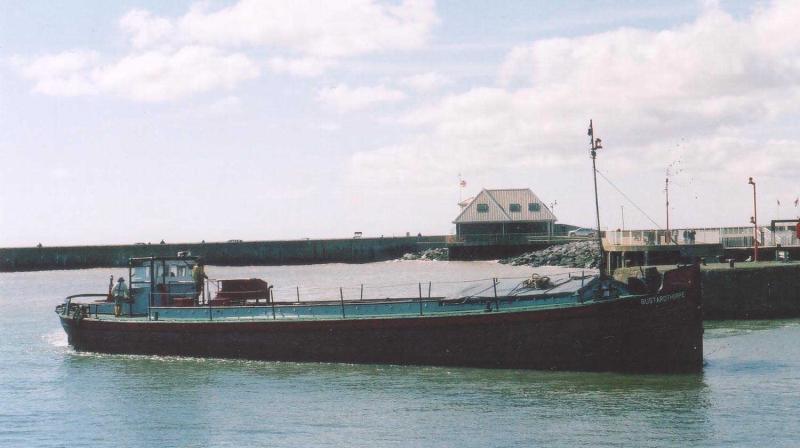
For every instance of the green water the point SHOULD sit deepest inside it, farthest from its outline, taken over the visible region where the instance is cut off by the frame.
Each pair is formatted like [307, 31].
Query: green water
[748, 395]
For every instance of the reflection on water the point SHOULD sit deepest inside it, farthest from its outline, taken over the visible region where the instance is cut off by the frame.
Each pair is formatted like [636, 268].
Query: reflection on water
[749, 393]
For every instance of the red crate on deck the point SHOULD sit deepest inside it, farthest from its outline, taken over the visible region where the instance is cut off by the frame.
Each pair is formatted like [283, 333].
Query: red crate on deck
[241, 289]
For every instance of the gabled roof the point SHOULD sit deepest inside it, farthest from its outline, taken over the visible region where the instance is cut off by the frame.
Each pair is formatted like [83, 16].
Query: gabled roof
[498, 202]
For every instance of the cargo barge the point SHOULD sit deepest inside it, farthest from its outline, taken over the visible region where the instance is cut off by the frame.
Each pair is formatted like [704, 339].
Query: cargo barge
[577, 323]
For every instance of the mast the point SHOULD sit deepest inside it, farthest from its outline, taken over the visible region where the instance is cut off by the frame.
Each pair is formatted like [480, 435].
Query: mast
[594, 145]
[666, 190]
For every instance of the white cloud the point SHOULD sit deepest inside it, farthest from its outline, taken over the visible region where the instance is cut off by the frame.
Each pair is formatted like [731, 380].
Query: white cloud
[204, 49]
[318, 33]
[304, 67]
[159, 76]
[425, 82]
[65, 74]
[145, 28]
[713, 77]
[327, 30]
[346, 99]
[150, 76]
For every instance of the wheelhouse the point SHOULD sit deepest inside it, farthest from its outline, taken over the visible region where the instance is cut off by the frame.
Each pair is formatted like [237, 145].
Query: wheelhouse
[161, 281]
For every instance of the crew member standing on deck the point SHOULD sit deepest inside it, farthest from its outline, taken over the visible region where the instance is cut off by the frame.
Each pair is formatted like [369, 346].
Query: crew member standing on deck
[198, 275]
[120, 294]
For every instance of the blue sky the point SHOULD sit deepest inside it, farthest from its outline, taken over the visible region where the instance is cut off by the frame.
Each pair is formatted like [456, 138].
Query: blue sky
[140, 121]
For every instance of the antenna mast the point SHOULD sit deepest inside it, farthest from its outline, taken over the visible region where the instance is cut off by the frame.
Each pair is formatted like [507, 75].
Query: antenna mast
[594, 145]
[666, 190]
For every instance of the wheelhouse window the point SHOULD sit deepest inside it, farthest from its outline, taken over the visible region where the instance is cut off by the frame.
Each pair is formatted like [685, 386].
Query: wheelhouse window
[141, 274]
[483, 208]
[534, 207]
[159, 271]
[514, 208]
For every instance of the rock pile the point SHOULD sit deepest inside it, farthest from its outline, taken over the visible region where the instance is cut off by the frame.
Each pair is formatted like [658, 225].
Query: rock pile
[579, 254]
[438, 254]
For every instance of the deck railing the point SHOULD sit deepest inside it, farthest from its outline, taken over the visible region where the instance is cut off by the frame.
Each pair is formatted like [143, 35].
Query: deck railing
[482, 296]
[415, 297]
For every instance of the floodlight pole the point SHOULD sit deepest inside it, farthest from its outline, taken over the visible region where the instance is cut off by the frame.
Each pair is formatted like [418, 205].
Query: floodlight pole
[754, 220]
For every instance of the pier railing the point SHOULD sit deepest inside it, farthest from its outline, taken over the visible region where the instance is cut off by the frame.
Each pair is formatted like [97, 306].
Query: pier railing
[728, 237]
[511, 238]
[662, 237]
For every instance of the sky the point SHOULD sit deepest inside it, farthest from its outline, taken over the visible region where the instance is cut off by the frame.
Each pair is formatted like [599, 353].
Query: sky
[137, 121]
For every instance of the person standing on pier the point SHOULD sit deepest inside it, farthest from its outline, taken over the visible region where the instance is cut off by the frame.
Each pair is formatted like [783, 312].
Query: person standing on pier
[198, 275]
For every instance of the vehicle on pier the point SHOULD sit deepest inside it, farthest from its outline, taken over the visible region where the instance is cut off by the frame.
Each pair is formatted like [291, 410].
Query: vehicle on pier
[582, 232]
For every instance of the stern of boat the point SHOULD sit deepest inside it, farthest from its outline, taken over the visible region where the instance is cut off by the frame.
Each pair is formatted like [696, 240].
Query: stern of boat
[664, 333]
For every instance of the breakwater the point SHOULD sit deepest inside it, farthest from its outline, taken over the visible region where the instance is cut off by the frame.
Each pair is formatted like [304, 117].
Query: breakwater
[436, 254]
[762, 290]
[352, 250]
[577, 254]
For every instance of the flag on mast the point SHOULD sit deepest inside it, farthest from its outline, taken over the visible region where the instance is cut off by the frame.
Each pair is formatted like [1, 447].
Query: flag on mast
[797, 201]
[461, 184]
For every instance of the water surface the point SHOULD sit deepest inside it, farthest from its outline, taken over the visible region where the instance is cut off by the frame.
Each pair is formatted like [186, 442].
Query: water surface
[748, 394]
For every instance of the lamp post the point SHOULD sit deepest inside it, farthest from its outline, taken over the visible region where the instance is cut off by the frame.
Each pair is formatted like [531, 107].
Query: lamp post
[754, 221]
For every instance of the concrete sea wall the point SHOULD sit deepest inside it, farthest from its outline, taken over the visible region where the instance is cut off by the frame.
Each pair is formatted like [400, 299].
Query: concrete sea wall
[747, 291]
[361, 250]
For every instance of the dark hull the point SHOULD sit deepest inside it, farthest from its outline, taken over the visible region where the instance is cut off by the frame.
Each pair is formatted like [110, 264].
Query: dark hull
[634, 334]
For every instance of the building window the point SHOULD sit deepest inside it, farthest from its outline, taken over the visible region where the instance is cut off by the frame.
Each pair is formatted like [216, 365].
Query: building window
[483, 208]
[534, 207]
[514, 208]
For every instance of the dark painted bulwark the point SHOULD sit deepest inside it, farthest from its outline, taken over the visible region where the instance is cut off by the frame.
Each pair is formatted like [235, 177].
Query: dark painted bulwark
[746, 291]
[352, 250]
